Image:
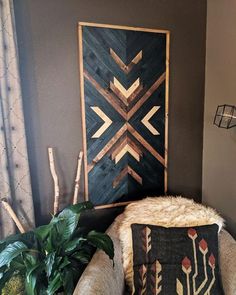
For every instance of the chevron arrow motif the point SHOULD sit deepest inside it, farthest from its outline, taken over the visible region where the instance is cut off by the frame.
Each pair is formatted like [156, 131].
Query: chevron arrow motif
[122, 65]
[127, 145]
[127, 149]
[126, 95]
[146, 119]
[127, 171]
[106, 124]
[129, 91]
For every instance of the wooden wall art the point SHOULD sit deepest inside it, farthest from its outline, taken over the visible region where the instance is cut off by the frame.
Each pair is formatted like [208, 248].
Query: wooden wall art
[124, 75]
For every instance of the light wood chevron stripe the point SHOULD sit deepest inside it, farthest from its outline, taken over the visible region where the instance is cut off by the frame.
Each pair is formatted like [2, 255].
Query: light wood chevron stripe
[127, 149]
[120, 146]
[146, 144]
[145, 97]
[105, 118]
[122, 65]
[123, 173]
[107, 147]
[146, 119]
[135, 175]
[107, 95]
[119, 94]
[125, 100]
[126, 92]
[134, 94]
[135, 146]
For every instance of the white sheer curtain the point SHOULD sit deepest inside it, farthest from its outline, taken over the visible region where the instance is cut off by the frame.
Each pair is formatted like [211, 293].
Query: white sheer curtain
[14, 169]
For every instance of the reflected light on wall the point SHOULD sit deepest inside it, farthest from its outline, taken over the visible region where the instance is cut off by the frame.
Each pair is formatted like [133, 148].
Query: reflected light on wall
[225, 116]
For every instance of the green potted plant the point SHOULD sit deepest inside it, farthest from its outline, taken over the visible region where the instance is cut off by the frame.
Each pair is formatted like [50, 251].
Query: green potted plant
[49, 260]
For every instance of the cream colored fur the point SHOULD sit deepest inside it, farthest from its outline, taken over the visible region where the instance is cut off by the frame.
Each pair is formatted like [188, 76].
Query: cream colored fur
[164, 211]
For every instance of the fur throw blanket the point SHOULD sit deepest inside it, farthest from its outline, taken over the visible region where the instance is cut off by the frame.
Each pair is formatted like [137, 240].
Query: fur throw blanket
[163, 211]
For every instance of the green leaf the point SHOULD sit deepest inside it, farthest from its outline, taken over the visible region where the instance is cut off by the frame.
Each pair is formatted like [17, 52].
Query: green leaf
[68, 282]
[43, 231]
[27, 238]
[69, 218]
[33, 269]
[58, 260]
[82, 256]
[18, 264]
[30, 258]
[80, 207]
[72, 245]
[42, 290]
[67, 224]
[54, 284]
[53, 241]
[101, 241]
[64, 263]
[49, 262]
[11, 251]
[1, 275]
[30, 283]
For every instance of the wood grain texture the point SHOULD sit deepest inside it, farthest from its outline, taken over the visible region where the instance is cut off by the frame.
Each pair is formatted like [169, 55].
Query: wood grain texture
[122, 65]
[122, 97]
[118, 93]
[127, 171]
[107, 147]
[126, 92]
[106, 94]
[98, 25]
[167, 107]
[127, 149]
[145, 97]
[146, 144]
[82, 101]
[147, 118]
[106, 124]
[125, 75]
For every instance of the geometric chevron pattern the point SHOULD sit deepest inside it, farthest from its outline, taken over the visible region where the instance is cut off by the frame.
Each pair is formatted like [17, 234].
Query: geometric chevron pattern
[124, 97]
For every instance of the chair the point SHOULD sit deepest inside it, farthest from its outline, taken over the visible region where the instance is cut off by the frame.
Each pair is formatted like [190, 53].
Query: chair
[101, 278]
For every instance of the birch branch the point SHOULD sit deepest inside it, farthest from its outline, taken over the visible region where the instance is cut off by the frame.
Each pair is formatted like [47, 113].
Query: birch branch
[55, 179]
[77, 179]
[12, 214]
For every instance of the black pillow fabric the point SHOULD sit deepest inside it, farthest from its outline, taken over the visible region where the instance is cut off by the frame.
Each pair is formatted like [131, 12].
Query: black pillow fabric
[175, 261]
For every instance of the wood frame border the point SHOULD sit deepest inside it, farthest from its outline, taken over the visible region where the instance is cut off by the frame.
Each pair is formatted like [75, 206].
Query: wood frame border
[82, 100]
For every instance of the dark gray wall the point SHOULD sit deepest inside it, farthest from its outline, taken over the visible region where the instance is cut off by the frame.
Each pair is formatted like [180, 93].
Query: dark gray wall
[219, 153]
[47, 38]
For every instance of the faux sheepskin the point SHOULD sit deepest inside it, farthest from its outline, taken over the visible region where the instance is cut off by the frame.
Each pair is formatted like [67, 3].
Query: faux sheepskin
[164, 211]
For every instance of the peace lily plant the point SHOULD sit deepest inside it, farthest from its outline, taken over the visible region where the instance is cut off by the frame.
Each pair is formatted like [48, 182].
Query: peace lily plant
[49, 260]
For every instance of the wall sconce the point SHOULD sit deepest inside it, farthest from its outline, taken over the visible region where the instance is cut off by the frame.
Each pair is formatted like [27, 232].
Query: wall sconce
[225, 116]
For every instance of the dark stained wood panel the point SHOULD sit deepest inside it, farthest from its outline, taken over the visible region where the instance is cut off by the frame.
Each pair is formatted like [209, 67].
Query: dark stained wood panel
[124, 97]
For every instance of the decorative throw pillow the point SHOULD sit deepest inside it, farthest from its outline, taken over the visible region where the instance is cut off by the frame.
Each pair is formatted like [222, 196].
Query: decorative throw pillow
[164, 211]
[178, 261]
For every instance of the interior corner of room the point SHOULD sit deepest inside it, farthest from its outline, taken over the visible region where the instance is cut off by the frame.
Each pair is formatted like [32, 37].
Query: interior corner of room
[117, 147]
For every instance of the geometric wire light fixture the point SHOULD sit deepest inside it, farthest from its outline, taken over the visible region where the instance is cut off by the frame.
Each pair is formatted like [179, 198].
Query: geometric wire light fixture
[225, 116]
